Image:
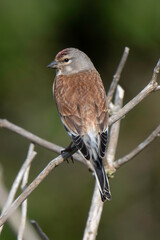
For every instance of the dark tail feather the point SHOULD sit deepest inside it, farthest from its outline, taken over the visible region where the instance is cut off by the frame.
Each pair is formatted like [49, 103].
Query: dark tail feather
[103, 182]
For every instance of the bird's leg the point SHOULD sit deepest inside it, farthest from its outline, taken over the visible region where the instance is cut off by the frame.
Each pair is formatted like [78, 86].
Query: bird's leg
[66, 151]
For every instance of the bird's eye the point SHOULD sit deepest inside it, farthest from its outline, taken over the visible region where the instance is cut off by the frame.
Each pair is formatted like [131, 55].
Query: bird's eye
[66, 60]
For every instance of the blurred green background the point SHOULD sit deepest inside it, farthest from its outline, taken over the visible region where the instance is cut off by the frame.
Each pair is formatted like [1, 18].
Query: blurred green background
[31, 33]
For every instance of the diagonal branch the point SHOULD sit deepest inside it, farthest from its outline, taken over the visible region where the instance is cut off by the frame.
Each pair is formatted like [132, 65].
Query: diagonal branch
[117, 75]
[14, 220]
[151, 87]
[30, 136]
[37, 140]
[52, 164]
[138, 149]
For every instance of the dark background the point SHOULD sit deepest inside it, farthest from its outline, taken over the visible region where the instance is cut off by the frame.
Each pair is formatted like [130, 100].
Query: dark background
[31, 34]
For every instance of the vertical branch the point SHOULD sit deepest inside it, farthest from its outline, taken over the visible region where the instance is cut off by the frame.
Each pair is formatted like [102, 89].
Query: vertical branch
[114, 131]
[94, 216]
[17, 181]
[96, 208]
[24, 205]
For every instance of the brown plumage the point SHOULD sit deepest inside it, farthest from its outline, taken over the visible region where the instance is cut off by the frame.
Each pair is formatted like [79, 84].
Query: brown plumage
[82, 105]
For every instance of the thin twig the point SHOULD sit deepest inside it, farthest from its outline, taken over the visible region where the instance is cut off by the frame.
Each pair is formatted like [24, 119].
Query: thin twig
[23, 221]
[18, 179]
[117, 75]
[24, 204]
[151, 87]
[138, 149]
[39, 230]
[52, 164]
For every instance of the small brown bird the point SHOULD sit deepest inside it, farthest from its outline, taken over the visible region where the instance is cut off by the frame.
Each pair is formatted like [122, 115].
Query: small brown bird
[82, 104]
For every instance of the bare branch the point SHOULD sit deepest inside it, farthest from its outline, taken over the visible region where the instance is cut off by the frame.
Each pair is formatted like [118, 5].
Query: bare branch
[15, 185]
[117, 75]
[156, 72]
[114, 131]
[24, 204]
[39, 230]
[14, 220]
[30, 188]
[18, 179]
[37, 140]
[152, 86]
[94, 216]
[96, 208]
[138, 149]
[23, 221]
[52, 164]
[33, 138]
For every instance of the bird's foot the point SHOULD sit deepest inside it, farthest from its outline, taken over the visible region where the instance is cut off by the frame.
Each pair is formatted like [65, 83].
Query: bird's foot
[66, 151]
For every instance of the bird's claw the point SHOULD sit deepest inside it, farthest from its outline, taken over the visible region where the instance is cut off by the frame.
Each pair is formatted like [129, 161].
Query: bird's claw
[64, 152]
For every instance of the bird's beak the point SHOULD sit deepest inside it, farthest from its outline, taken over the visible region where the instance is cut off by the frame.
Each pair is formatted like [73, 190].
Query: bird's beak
[53, 64]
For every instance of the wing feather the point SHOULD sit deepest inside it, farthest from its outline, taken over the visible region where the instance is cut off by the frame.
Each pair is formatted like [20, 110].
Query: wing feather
[81, 102]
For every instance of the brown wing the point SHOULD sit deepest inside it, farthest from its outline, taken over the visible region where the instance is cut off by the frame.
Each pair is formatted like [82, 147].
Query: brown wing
[81, 102]
[65, 95]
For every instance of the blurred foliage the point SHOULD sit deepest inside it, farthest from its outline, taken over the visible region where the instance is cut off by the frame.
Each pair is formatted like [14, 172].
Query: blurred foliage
[31, 33]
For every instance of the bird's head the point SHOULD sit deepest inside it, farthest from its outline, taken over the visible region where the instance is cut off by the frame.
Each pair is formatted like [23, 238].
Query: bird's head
[70, 61]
